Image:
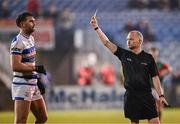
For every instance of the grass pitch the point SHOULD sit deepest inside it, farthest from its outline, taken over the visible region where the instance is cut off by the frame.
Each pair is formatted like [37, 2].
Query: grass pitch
[170, 116]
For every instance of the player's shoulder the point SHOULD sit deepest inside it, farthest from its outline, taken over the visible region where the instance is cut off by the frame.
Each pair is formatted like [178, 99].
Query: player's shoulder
[18, 38]
[160, 62]
[17, 41]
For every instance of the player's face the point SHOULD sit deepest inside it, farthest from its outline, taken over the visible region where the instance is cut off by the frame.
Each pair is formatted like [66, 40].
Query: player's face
[29, 24]
[133, 41]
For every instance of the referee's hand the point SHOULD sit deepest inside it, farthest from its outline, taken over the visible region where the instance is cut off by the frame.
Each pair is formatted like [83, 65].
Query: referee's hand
[93, 22]
[163, 101]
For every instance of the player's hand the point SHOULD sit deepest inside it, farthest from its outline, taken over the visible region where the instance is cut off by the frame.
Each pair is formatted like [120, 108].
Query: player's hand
[41, 86]
[40, 69]
[93, 22]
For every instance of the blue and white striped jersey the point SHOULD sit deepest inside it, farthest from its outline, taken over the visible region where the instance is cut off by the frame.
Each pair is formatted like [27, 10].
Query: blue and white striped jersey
[24, 46]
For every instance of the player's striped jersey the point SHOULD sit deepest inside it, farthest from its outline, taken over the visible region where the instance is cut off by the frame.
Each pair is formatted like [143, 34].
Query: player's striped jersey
[24, 46]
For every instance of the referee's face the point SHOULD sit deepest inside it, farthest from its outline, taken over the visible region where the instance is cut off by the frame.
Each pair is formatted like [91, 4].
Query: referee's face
[133, 41]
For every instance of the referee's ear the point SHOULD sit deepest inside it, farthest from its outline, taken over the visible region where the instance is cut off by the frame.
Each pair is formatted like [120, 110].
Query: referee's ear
[140, 41]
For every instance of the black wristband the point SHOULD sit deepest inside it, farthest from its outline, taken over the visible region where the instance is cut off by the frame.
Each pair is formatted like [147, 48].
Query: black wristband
[96, 28]
[161, 96]
[40, 69]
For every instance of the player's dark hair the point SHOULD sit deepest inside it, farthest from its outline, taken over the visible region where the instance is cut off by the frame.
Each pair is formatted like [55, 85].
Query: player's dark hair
[154, 49]
[22, 17]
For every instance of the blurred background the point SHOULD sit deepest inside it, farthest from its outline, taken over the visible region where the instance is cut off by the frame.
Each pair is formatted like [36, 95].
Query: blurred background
[82, 73]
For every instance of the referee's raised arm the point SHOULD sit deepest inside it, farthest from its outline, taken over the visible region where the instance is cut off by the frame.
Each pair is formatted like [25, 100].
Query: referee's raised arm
[104, 39]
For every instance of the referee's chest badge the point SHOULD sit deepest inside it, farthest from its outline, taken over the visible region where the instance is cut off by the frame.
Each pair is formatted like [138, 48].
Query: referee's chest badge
[143, 63]
[129, 59]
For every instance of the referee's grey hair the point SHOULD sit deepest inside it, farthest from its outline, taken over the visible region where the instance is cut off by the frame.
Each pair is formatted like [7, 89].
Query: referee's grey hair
[138, 33]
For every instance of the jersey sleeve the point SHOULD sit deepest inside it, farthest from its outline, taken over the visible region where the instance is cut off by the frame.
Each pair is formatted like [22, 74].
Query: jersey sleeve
[17, 47]
[119, 52]
[153, 68]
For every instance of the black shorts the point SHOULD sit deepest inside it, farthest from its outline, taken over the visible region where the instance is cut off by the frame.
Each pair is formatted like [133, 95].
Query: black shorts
[139, 106]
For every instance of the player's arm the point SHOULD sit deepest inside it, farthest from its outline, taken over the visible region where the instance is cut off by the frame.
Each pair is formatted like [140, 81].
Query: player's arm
[104, 39]
[18, 66]
[159, 90]
[16, 51]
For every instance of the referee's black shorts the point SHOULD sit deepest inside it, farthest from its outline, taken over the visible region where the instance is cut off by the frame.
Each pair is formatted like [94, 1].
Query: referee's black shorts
[139, 106]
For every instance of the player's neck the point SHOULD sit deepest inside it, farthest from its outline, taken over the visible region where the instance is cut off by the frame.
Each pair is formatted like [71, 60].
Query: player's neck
[24, 34]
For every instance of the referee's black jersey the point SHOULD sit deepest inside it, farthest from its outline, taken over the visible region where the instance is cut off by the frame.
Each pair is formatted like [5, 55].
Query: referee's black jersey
[138, 69]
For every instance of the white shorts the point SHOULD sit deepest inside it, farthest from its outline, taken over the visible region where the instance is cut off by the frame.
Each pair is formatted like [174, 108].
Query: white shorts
[25, 91]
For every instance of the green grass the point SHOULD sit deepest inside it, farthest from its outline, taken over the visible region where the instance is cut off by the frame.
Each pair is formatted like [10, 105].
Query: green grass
[92, 117]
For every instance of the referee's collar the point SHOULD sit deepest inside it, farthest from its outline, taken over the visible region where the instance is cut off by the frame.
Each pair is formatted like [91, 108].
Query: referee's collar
[138, 53]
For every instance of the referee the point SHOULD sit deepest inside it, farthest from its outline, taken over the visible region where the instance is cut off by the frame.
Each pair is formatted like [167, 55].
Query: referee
[139, 69]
